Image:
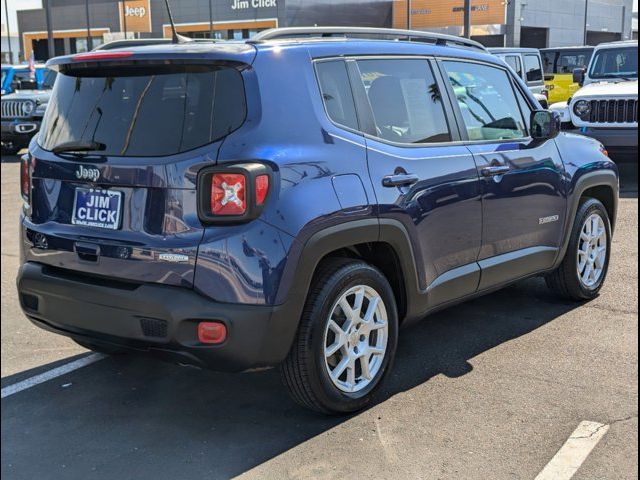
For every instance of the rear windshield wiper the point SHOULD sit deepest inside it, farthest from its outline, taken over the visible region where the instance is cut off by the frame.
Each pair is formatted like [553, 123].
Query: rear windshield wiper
[79, 146]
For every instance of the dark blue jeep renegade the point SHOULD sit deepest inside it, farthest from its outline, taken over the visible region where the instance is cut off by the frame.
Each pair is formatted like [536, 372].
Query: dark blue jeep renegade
[293, 199]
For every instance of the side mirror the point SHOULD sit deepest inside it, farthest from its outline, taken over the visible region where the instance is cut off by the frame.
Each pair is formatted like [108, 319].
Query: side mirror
[578, 76]
[545, 124]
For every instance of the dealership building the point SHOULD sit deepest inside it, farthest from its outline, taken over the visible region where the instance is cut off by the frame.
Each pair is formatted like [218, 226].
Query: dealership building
[537, 23]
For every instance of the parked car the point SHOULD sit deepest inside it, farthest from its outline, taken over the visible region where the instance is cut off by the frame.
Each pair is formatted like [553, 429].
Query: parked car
[527, 64]
[559, 64]
[23, 109]
[19, 77]
[606, 107]
[293, 199]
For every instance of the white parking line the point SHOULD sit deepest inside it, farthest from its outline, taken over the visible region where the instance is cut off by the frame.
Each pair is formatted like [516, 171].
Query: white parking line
[574, 452]
[51, 374]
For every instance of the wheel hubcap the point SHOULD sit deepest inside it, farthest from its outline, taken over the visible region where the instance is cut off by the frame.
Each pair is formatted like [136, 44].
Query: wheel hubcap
[355, 339]
[592, 251]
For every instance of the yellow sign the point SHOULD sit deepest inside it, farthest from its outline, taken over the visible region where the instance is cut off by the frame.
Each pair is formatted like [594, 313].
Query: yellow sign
[135, 15]
[447, 13]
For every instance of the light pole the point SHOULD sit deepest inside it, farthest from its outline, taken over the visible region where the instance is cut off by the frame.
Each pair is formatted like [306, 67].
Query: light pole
[467, 18]
[89, 40]
[210, 19]
[6, 12]
[47, 12]
[586, 16]
[408, 14]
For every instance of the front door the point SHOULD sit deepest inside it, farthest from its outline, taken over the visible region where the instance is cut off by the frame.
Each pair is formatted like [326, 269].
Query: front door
[523, 196]
[420, 176]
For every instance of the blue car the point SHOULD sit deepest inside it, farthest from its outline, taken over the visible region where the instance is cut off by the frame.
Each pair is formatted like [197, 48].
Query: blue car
[293, 199]
[19, 77]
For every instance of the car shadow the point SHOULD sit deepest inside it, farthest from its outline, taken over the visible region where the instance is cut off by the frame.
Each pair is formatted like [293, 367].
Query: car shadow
[154, 420]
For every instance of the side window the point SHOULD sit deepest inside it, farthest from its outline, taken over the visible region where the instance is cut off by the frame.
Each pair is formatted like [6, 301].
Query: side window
[570, 61]
[514, 62]
[532, 68]
[549, 62]
[336, 93]
[488, 102]
[405, 101]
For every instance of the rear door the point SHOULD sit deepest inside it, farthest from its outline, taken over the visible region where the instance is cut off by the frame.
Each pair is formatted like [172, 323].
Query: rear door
[523, 196]
[422, 176]
[114, 168]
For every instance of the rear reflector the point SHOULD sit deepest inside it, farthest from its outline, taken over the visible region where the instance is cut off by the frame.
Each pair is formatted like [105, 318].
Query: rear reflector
[212, 332]
[228, 194]
[25, 180]
[262, 188]
[100, 56]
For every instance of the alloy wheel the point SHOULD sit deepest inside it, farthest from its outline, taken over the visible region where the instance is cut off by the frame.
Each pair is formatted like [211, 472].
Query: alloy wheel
[355, 338]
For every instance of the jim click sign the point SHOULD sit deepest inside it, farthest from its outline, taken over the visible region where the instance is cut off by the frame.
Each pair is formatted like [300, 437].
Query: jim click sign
[135, 15]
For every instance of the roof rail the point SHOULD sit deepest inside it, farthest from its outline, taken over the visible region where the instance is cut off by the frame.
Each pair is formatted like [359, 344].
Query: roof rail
[396, 34]
[141, 42]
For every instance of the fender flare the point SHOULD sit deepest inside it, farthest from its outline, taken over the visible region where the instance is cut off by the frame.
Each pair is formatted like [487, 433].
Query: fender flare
[599, 178]
[304, 258]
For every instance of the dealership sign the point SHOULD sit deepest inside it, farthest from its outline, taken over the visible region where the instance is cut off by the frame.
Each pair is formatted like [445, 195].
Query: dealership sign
[135, 15]
[446, 13]
[247, 4]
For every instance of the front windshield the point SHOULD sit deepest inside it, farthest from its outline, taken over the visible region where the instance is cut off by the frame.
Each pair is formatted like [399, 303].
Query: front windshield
[4, 76]
[615, 63]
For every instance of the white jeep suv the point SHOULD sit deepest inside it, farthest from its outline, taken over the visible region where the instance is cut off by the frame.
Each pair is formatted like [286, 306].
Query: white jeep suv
[606, 107]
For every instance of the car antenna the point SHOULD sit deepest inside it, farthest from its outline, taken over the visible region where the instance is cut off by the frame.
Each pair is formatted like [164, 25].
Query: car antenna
[175, 36]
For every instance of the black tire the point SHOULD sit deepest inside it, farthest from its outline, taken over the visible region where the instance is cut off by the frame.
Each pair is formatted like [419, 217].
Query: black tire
[304, 371]
[565, 279]
[101, 348]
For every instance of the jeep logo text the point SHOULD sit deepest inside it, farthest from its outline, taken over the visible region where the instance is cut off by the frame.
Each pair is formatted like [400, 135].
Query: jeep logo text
[135, 11]
[84, 173]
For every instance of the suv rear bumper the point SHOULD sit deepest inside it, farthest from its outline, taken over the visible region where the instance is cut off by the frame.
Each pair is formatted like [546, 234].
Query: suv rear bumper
[157, 319]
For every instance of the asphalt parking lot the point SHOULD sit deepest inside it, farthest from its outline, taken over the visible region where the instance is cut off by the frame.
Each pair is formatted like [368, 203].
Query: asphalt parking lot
[490, 389]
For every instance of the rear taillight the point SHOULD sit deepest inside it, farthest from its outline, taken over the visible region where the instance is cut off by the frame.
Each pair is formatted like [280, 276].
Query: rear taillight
[25, 177]
[228, 194]
[233, 194]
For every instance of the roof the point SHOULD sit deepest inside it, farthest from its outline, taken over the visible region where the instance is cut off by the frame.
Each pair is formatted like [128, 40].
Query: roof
[577, 47]
[513, 50]
[623, 43]
[307, 39]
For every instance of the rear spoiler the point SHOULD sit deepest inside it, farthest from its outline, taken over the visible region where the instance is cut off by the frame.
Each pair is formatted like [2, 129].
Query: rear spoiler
[143, 42]
[160, 50]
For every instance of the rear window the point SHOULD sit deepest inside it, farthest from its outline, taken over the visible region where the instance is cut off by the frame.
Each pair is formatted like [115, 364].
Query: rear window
[144, 111]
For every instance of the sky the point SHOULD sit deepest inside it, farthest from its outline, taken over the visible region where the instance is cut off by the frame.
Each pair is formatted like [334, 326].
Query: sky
[17, 4]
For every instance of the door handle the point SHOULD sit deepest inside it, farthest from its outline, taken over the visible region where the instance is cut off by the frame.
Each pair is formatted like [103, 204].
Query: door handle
[399, 180]
[495, 170]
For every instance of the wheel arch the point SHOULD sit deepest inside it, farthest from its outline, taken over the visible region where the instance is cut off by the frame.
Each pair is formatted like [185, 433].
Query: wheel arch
[385, 245]
[600, 184]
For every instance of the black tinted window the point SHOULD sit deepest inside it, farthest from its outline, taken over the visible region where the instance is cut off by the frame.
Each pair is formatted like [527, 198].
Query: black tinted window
[405, 100]
[150, 111]
[532, 68]
[488, 102]
[336, 93]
